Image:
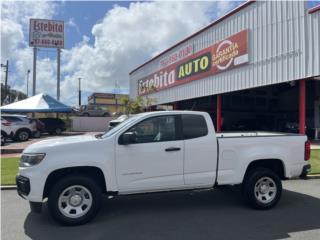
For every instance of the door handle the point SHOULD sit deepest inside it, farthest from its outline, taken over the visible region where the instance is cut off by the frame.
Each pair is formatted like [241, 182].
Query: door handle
[171, 149]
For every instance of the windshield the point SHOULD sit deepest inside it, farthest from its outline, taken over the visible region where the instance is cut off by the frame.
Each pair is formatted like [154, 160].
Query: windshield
[119, 126]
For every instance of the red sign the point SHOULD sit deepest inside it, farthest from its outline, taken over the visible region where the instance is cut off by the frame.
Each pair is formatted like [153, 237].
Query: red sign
[176, 56]
[219, 57]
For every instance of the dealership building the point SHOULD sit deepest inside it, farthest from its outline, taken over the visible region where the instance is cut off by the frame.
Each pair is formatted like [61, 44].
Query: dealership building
[256, 68]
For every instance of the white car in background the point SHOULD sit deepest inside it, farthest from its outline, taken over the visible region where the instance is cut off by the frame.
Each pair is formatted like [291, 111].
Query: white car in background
[7, 130]
[24, 127]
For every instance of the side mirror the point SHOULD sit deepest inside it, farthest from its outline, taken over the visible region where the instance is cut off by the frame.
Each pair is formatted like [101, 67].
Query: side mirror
[128, 137]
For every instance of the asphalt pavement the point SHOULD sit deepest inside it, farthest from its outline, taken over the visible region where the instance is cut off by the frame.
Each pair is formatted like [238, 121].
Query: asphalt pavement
[217, 214]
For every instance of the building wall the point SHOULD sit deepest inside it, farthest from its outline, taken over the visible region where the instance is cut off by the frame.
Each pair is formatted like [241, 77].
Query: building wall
[283, 46]
[113, 103]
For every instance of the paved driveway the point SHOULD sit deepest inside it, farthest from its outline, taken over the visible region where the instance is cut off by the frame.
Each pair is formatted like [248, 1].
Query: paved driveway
[218, 214]
[18, 147]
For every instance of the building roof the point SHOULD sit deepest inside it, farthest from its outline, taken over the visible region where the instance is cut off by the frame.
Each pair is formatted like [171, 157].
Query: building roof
[247, 3]
[314, 9]
[105, 95]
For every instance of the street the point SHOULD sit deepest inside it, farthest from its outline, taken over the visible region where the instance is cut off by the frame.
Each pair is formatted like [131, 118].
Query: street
[218, 214]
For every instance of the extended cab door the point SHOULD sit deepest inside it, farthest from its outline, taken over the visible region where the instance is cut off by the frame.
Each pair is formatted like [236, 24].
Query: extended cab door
[154, 158]
[200, 160]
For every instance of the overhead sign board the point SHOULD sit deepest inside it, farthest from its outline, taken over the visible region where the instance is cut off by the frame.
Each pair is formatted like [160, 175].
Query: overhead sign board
[181, 53]
[46, 33]
[221, 56]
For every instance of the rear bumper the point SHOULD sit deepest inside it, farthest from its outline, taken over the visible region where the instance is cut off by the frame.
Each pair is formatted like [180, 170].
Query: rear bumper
[305, 170]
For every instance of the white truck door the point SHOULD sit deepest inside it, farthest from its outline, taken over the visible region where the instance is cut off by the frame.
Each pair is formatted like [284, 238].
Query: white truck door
[200, 160]
[154, 159]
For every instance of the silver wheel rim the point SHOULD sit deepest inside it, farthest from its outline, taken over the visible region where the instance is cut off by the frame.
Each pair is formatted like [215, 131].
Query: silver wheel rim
[23, 136]
[265, 190]
[75, 201]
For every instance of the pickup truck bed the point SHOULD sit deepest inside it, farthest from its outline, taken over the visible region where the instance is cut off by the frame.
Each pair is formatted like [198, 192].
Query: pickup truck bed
[239, 149]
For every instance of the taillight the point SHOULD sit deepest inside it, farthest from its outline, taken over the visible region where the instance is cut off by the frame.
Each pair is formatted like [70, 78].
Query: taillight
[307, 150]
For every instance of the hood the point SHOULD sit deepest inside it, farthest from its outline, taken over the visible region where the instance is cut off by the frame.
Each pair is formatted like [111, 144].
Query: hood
[59, 141]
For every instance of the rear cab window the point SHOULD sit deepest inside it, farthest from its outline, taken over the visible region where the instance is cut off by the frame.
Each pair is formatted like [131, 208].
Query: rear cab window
[193, 126]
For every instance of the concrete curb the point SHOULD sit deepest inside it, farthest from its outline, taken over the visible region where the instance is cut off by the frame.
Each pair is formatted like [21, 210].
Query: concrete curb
[10, 151]
[314, 176]
[8, 187]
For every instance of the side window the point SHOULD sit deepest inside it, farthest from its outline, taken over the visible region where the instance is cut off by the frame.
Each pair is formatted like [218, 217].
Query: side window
[155, 129]
[12, 119]
[194, 126]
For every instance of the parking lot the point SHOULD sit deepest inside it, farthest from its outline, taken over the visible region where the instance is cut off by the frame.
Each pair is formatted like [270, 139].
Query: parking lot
[18, 147]
[218, 214]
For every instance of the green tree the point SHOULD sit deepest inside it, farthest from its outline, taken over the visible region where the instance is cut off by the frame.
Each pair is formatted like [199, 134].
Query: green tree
[12, 94]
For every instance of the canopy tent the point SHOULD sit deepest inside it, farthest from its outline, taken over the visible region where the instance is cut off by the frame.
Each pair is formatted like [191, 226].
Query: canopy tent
[38, 103]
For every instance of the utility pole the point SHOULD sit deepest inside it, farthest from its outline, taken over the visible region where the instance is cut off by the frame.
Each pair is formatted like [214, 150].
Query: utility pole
[6, 78]
[79, 92]
[58, 73]
[117, 87]
[34, 71]
[28, 72]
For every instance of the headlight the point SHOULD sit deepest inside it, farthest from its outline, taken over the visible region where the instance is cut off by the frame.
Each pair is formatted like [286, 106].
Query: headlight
[29, 160]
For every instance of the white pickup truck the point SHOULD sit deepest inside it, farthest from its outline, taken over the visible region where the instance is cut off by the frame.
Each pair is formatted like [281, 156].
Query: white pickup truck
[157, 151]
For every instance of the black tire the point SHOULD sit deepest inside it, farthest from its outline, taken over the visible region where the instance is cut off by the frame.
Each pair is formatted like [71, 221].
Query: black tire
[86, 115]
[255, 195]
[37, 134]
[3, 139]
[67, 182]
[58, 131]
[22, 135]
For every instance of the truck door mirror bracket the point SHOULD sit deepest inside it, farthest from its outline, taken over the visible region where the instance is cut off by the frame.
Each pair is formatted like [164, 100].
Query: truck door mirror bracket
[128, 138]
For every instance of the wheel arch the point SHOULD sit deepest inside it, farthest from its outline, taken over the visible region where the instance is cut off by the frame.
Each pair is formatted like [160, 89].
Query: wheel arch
[4, 133]
[276, 165]
[23, 129]
[90, 171]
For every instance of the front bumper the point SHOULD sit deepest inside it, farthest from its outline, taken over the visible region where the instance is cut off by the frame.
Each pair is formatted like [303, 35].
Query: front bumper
[23, 186]
[305, 170]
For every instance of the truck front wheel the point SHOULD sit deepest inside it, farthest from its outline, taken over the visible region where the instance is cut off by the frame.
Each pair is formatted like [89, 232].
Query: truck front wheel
[74, 200]
[262, 188]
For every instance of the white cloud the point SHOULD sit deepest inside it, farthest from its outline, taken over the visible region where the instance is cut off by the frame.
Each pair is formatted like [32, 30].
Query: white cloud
[11, 37]
[72, 24]
[126, 37]
[21, 11]
[15, 17]
[123, 39]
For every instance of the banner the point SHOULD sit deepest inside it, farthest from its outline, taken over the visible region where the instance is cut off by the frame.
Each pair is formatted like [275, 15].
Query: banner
[221, 56]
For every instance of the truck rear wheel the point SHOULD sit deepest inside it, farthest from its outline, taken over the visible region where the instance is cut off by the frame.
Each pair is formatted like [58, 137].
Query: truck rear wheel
[74, 200]
[262, 188]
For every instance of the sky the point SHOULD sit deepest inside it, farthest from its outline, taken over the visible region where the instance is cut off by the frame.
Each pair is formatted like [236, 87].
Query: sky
[104, 40]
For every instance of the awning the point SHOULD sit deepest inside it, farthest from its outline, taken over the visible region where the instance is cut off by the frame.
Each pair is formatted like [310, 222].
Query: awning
[38, 103]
